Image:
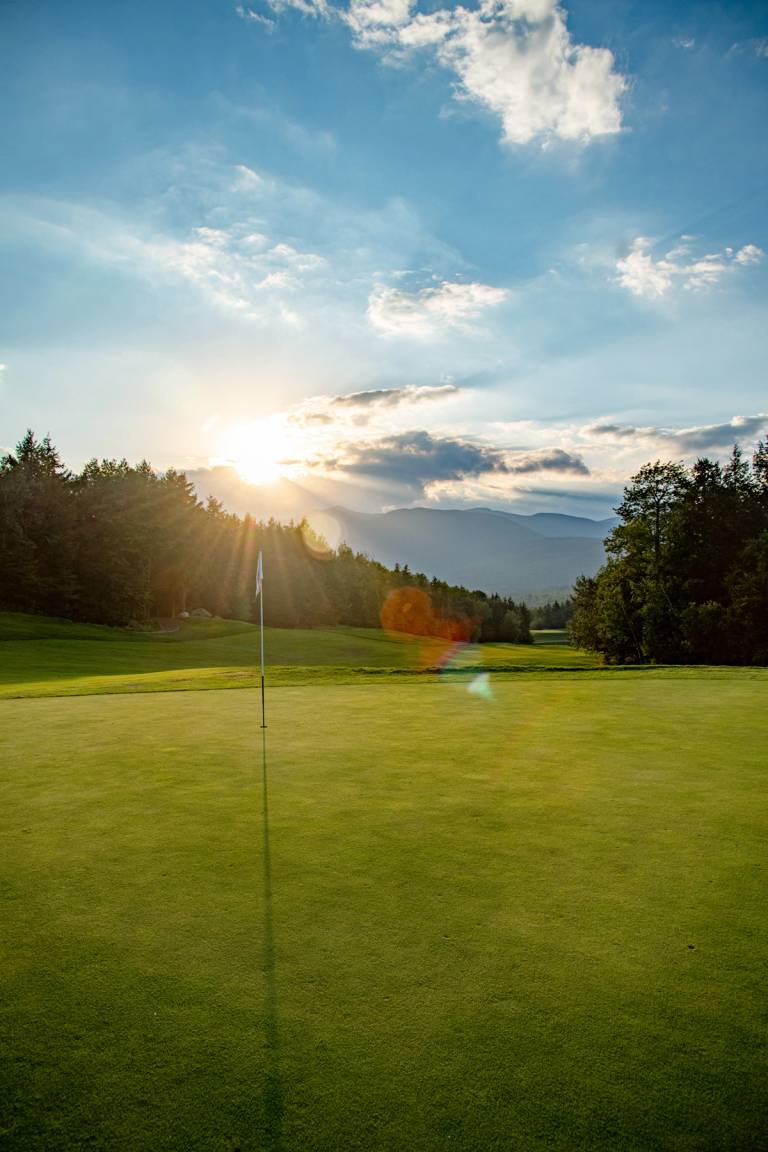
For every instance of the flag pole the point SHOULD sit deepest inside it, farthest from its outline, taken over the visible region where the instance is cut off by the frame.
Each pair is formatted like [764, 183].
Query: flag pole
[261, 638]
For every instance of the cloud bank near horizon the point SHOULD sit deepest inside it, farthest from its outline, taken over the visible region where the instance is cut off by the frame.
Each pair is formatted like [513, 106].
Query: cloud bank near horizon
[364, 449]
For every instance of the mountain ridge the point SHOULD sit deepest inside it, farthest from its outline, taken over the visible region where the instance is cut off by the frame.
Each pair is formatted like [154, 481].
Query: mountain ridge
[527, 557]
[534, 557]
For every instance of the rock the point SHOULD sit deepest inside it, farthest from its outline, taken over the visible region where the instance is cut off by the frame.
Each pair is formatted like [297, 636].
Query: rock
[200, 614]
[185, 615]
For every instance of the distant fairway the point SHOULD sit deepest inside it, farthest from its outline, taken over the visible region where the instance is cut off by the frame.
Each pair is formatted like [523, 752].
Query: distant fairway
[531, 922]
[42, 657]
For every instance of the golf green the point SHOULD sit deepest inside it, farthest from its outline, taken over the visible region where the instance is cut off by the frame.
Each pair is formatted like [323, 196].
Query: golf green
[414, 919]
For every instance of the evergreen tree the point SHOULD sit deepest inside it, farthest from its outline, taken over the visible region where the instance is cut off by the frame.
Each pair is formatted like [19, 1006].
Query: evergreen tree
[37, 529]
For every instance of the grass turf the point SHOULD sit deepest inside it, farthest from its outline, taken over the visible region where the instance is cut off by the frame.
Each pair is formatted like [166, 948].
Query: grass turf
[44, 657]
[535, 922]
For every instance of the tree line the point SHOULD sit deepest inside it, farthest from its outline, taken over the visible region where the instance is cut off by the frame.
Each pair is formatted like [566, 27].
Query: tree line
[552, 614]
[119, 543]
[686, 579]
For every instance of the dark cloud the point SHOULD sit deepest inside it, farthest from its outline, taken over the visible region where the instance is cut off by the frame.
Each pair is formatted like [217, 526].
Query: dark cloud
[547, 460]
[394, 397]
[707, 436]
[320, 410]
[623, 431]
[723, 435]
[413, 460]
[382, 397]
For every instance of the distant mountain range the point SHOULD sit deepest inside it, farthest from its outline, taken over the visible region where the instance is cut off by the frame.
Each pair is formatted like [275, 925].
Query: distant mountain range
[534, 557]
[527, 557]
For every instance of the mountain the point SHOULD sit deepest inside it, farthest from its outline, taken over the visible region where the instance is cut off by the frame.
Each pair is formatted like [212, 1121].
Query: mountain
[528, 557]
[534, 557]
[556, 524]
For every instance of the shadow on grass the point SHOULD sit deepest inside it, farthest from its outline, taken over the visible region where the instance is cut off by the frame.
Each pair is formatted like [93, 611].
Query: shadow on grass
[273, 1091]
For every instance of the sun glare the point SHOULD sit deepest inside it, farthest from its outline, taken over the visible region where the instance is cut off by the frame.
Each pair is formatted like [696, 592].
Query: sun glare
[260, 451]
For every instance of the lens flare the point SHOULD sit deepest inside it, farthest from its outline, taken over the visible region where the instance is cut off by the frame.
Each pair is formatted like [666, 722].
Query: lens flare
[480, 685]
[322, 534]
[408, 610]
[459, 666]
[411, 609]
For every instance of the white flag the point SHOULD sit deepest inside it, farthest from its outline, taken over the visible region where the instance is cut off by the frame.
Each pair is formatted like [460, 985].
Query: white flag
[259, 576]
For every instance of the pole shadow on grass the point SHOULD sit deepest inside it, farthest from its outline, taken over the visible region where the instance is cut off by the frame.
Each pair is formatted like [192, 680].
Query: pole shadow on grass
[273, 1089]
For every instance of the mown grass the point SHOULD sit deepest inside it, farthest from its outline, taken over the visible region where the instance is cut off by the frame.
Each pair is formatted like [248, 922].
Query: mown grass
[550, 636]
[434, 921]
[40, 657]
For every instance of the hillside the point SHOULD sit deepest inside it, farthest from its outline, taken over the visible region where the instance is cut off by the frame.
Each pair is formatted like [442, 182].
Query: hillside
[520, 556]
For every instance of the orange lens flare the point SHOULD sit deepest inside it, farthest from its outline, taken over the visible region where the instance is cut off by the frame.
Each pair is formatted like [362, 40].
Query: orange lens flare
[411, 610]
[408, 610]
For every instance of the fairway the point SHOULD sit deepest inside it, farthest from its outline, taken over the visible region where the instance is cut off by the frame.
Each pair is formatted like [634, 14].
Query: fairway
[40, 656]
[425, 920]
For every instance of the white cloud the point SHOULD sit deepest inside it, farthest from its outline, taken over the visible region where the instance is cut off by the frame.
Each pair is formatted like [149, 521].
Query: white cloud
[640, 274]
[613, 448]
[222, 263]
[214, 237]
[373, 21]
[316, 8]
[758, 46]
[255, 247]
[246, 178]
[233, 268]
[426, 314]
[301, 261]
[643, 275]
[254, 17]
[749, 254]
[514, 58]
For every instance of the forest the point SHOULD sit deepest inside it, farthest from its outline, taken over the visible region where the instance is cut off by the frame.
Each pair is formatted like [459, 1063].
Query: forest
[122, 544]
[686, 578]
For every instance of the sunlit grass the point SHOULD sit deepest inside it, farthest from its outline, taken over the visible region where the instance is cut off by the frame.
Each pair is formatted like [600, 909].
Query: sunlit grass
[533, 922]
[39, 656]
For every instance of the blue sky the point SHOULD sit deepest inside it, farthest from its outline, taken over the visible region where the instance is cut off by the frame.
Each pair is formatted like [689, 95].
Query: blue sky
[493, 254]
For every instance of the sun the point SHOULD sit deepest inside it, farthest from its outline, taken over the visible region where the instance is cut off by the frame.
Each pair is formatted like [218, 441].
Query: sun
[261, 452]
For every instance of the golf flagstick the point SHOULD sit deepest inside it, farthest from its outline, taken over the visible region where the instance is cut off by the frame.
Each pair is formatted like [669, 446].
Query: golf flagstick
[260, 594]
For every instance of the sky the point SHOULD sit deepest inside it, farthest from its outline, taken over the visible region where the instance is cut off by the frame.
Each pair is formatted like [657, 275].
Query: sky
[385, 254]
